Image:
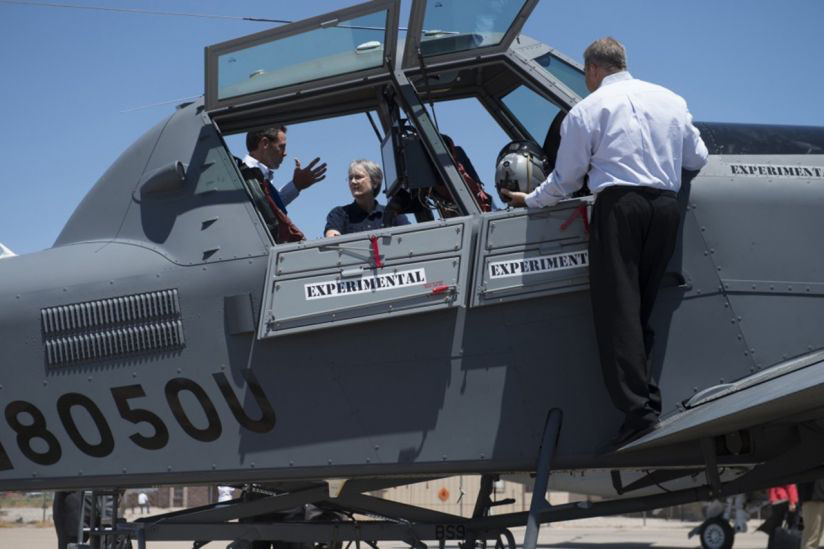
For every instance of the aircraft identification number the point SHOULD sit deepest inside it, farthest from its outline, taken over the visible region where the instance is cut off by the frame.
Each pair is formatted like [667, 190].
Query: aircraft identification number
[29, 423]
[450, 531]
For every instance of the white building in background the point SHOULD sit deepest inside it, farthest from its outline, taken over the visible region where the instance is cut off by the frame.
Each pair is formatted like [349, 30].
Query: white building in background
[5, 252]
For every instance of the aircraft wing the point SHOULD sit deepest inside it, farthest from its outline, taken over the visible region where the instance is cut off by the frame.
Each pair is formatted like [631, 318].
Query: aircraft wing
[784, 390]
[5, 252]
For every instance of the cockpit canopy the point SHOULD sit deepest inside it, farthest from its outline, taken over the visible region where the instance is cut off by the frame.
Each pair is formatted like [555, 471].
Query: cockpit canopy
[357, 48]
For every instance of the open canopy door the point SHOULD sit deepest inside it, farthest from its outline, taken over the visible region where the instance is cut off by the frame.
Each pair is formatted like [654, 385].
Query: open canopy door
[450, 30]
[336, 48]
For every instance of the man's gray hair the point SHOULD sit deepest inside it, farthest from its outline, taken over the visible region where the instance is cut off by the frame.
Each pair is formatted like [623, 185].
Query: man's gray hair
[372, 170]
[608, 53]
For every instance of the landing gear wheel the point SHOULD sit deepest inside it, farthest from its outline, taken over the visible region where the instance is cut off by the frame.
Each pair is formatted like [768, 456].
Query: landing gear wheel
[505, 540]
[716, 533]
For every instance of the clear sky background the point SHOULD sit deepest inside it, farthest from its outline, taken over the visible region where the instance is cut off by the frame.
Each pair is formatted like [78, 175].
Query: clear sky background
[75, 85]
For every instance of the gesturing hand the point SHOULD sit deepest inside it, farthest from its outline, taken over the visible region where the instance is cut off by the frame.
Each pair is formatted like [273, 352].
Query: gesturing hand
[306, 177]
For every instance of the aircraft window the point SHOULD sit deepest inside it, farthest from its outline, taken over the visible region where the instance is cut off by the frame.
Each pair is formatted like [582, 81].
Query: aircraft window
[337, 141]
[459, 25]
[566, 73]
[464, 120]
[533, 111]
[348, 46]
[725, 138]
[212, 174]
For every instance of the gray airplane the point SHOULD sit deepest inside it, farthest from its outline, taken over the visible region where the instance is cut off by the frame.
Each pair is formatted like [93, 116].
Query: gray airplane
[168, 338]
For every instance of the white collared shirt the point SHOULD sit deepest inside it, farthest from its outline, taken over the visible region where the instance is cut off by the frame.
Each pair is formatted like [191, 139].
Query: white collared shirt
[627, 132]
[287, 193]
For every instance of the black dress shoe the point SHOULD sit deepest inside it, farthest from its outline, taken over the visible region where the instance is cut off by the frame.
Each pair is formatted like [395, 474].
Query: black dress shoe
[628, 434]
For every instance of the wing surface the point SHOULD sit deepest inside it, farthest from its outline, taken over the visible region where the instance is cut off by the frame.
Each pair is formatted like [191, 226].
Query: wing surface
[784, 390]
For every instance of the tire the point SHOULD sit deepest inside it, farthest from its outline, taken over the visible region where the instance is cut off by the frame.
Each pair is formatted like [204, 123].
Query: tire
[505, 540]
[716, 533]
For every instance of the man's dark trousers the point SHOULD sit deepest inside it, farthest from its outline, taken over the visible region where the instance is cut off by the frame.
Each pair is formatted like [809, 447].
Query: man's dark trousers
[66, 517]
[632, 238]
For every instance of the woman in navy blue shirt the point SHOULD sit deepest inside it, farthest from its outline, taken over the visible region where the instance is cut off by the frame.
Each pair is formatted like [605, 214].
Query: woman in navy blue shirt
[364, 213]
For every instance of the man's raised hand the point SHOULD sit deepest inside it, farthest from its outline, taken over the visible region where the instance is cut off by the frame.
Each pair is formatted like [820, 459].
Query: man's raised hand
[306, 177]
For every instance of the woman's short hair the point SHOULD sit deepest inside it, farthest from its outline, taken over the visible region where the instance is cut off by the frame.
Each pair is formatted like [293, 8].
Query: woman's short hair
[372, 170]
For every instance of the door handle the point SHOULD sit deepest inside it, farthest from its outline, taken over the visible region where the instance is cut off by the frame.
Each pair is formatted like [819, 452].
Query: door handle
[352, 273]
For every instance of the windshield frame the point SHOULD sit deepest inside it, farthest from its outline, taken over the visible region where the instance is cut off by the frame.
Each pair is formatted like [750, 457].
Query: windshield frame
[411, 61]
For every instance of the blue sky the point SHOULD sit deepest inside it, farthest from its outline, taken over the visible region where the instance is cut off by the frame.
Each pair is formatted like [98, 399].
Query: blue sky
[72, 82]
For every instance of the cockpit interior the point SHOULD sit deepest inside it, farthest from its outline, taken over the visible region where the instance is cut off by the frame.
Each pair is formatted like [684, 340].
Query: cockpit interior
[438, 116]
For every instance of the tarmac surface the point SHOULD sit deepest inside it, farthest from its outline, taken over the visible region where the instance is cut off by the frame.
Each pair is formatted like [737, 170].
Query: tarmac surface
[602, 532]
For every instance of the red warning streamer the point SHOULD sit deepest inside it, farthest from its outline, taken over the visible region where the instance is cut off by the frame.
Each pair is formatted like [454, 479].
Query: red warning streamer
[580, 211]
[376, 253]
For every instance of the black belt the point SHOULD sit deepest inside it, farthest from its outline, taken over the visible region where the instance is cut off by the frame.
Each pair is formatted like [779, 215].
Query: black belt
[640, 189]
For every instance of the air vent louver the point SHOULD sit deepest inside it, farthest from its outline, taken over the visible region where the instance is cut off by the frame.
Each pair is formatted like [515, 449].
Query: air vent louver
[107, 328]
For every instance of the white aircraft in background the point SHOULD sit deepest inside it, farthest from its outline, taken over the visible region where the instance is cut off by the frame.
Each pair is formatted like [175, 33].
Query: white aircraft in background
[5, 252]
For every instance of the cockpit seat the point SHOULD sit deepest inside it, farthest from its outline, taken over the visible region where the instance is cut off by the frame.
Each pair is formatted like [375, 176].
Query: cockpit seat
[553, 140]
[468, 174]
[552, 143]
[280, 226]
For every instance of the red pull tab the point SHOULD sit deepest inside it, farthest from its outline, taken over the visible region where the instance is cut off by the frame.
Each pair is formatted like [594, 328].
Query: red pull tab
[443, 288]
[583, 209]
[580, 211]
[376, 253]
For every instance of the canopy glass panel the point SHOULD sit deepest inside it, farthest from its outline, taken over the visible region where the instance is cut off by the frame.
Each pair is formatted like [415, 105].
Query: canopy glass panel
[457, 25]
[339, 47]
[449, 27]
[348, 46]
[570, 75]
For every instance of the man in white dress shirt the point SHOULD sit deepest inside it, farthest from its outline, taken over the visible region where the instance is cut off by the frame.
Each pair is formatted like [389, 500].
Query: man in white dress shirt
[632, 139]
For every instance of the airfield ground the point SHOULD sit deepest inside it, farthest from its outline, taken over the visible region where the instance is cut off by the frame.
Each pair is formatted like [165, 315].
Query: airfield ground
[612, 532]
